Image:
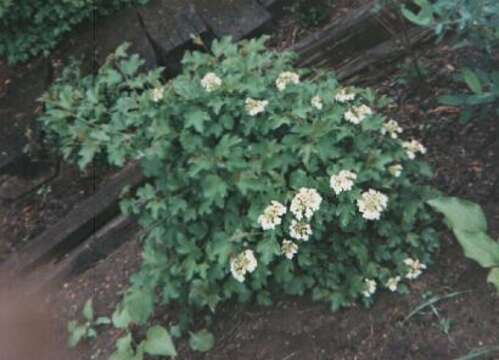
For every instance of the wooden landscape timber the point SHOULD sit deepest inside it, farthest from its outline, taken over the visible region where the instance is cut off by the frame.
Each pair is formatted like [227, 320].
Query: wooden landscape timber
[77, 226]
[74, 238]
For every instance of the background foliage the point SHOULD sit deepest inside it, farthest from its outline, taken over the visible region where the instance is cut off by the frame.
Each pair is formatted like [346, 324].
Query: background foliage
[473, 24]
[213, 168]
[32, 27]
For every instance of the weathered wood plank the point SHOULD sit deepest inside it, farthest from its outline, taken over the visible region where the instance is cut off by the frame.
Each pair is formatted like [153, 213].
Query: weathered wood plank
[97, 247]
[382, 54]
[238, 19]
[344, 37]
[81, 222]
[169, 27]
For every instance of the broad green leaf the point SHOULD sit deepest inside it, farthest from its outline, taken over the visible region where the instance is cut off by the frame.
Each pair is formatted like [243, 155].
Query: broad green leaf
[196, 120]
[493, 278]
[201, 341]
[461, 214]
[159, 342]
[472, 80]
[124, 350]
[139, 304]
[479, 246]
[121, 318]
[76, 333]
[88, 310]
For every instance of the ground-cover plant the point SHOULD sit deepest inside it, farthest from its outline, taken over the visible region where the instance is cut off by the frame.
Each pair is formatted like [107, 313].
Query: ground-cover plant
[87, 329]
[261, 181]
[32, 27]
[474, 24]
[469, 225]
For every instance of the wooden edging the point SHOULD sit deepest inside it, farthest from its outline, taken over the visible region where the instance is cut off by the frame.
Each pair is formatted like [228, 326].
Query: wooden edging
[80, 223]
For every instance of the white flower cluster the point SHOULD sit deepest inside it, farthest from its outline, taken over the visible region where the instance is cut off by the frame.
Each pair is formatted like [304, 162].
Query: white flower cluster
[369, 287]
[395, 170]
[343, 181]
[211, 82]
[242, 264]
[285, 78]
[289, 249]
[344, 96]
[371, 204]
[393, 283]
[317, 102]
[255, 107]
[271, 216]
[305, 203]
[300, 230]
[157, 94]
[415, 268]
[392, 128]
[412, 148]
[358, 113]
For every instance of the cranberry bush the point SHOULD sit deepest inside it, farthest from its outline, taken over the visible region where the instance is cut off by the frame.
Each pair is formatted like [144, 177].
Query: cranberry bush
[262, 179]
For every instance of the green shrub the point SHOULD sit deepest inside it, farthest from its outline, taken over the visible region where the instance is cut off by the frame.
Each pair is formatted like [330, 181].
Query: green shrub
[32, 27]
[259, 183]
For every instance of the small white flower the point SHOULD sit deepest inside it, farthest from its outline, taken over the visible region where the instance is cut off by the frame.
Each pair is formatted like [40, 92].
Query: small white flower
[211, 82]
[271, 216]
[343, 181]
[305, 203]
[358, 113]
[300, 230]
[289, 249]
[344, 96]
[412, 148]
[393, 283]
[369, 287]
[415, 268]
[371, 204]
[255, 107]
[317, 102]
[286, 78]
[242, 264]
[157, 94]
[395, 170]
[391, 127]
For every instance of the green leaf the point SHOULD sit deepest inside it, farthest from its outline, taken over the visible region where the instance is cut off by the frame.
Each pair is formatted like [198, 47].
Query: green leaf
[121, 318]
[76, 333]
[88, 310]
[493, 278]
[461, 214]
[124, 350]
[159, 342]
[103, 320]
[201, 341]
[139, 304]
[425, 15]
[472, 80]
[196, 120]
[479, 246]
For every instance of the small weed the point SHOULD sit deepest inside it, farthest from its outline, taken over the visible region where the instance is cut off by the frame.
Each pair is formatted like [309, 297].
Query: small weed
[85, 330]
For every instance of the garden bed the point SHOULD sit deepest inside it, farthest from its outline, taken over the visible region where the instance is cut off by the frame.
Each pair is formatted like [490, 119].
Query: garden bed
[299, 329]
[463, 317]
